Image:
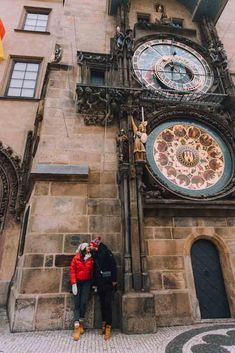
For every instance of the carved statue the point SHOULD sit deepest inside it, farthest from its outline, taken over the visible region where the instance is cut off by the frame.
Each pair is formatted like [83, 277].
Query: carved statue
[213, 53]
[223, 55]
[120, 40]
[140, 138]
[161, 16]
[129, 42]
[57, 55]
[123, 147]
[159, 12]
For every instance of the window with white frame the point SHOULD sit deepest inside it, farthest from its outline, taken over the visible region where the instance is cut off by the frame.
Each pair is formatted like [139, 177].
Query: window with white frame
[23, 79]
[36, 19]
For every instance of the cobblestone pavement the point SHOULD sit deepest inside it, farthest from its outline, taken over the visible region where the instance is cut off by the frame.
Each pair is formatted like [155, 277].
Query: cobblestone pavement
[218, 338]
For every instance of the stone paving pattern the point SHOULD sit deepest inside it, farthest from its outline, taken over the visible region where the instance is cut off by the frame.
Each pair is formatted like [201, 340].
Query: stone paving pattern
[91, 342]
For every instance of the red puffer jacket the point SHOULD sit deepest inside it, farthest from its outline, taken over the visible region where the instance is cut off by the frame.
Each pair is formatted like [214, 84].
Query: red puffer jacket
[81, 270]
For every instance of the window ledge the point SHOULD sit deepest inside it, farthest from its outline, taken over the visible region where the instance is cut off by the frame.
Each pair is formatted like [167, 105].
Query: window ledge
[60, 172]
[27, 31]
[19, 99]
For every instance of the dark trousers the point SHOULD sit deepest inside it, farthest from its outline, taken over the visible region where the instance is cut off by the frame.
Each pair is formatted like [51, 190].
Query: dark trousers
[81, 299]
[105, 295]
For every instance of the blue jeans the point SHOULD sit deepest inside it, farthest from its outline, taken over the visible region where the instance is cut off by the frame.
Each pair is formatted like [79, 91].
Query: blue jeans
[81, 299]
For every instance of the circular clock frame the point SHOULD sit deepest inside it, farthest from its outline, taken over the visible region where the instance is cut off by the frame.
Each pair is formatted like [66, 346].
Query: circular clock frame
[189, 158]
[157, 65]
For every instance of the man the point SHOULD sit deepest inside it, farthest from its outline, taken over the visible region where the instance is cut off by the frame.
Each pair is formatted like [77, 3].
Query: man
[105, 279]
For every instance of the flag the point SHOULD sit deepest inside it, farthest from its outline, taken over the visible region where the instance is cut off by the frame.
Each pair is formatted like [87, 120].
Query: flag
[2, 55]
[2, 30]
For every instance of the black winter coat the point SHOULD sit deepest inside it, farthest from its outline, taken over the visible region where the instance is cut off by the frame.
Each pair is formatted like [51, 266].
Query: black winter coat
[104, 261]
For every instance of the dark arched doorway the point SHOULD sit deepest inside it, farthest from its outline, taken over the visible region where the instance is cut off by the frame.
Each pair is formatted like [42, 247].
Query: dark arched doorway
[209, 281]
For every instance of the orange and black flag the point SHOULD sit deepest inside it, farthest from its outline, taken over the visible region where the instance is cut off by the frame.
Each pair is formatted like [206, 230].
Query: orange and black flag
[2, 33]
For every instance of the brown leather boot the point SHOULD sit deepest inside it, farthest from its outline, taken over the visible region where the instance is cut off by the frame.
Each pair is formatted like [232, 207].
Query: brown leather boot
[107, 334]
[102, 331]
[82, 330]
[76, 332]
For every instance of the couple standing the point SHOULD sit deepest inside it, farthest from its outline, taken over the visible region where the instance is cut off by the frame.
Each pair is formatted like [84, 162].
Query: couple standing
[93, 265]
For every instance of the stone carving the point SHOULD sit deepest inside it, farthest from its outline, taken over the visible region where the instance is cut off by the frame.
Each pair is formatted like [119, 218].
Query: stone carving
[140, 138]
[120, 40]
[161, 16]
[157, 193]
[217, 53]
[123, 42]
[103, 104]
[9, 182]
[123, 147]
[129, 42]
[24, 174]
[97, 59]
[213, 53]
[57, 55]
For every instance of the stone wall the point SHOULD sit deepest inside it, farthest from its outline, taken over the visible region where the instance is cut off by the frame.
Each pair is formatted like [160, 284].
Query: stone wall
[62, 216]
[18, 116]
[168, 244]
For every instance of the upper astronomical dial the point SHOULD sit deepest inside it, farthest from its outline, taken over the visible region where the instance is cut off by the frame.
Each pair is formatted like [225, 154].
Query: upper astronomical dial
[172, 67]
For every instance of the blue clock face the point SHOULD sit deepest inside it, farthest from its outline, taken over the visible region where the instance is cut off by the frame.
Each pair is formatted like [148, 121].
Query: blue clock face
[189, 158]
[172, 68]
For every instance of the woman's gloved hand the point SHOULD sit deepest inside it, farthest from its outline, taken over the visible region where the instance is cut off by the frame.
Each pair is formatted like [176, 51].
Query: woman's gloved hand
[74, 289]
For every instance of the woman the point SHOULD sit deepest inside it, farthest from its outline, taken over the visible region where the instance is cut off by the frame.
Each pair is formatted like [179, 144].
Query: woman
[81, 270]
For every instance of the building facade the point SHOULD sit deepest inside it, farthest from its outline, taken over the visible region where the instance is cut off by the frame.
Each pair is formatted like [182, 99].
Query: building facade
[117, 121]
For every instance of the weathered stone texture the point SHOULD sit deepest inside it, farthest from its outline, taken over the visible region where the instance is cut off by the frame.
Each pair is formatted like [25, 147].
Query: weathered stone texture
[65, 285]
[68, 189]
[165, 247]
[49, 259]
[40, 281]
[158, 221]
[103, 207]
[53, 206]
[63, 260]
[33, 260]
[104, 224]
[41, 188]
[173, 280]
[155, 279]
[138, 313]
[165, 262]
[44, 243]
[172, 308]
[50, 313]
[63, 223]
[103, 191]
[73, 240]
[24, 316]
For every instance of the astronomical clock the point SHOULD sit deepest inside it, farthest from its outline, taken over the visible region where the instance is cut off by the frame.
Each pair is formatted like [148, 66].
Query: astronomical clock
[189, 157]
[167, 66]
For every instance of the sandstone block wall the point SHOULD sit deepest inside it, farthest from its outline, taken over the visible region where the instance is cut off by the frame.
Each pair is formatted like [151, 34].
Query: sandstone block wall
[168, 243]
